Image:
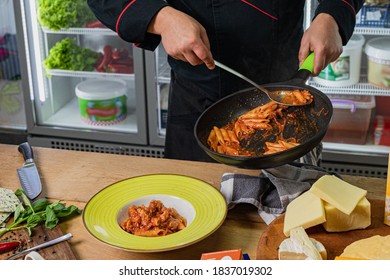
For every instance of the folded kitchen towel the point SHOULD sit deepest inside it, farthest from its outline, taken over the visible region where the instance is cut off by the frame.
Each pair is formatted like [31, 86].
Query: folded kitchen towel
[273, 189]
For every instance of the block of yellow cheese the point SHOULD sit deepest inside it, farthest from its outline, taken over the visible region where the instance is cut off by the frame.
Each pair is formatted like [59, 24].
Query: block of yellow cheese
[337, 221]
[373, 248]
[340, 194]
[339, 258]
[306, 210]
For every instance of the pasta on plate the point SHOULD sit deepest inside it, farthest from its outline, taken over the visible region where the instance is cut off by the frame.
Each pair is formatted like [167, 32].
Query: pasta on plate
[153, 220]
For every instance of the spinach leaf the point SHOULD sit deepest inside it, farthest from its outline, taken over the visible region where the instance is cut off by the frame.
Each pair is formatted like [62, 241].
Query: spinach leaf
[51, 218]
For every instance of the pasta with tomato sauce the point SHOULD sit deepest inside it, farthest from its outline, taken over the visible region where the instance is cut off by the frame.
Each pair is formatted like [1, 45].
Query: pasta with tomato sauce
[153, 220]
[227, 139]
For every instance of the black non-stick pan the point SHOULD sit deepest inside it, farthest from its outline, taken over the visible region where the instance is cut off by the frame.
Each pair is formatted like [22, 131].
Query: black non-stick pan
[308, 126]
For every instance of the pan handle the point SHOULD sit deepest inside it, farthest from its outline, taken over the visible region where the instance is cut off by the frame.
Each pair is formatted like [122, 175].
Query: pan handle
[306, 68]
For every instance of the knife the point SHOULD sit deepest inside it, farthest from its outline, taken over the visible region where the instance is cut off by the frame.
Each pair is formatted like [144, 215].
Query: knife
[43, 245]
[28, 174]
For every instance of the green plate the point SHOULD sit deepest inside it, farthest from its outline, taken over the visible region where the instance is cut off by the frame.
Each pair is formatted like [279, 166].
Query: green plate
[206, 203]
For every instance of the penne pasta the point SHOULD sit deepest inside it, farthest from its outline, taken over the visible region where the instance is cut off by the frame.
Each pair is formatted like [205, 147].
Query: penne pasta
[149, 233]
[226, 140]
[219, 136]
[230, 151]
[225, 135]
[233, 138]
[297, 96]
[154, 220]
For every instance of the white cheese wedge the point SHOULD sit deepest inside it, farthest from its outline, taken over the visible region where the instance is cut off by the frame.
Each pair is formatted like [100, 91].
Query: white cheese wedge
[302, 241]
[288, 250]
[338, 193]
[373, 248]
[306, 211]
[337, 221]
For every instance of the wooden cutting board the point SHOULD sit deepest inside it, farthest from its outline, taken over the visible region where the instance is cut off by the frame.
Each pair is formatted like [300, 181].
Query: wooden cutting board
[267, 248]
[40, 234]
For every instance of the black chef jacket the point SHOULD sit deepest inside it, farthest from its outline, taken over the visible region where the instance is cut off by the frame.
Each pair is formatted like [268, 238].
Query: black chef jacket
[259, 38]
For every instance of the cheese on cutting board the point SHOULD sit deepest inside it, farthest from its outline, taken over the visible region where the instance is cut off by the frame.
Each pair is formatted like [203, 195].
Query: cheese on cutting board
[306, 210]
[373, 248]
[288, 250]
[337, 221]
[338, 193]
[8, 204]
[300, 247]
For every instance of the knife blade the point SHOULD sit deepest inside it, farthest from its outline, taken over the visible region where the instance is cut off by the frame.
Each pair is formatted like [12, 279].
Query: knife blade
[28, 174]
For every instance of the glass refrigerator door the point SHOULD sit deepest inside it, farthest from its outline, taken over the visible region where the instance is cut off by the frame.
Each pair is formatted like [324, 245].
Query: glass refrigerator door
[72, 50]
[351, 135]
[157, 82]
[12, 115]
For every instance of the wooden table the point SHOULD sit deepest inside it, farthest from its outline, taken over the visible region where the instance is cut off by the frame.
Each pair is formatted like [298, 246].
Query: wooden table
[74, 177]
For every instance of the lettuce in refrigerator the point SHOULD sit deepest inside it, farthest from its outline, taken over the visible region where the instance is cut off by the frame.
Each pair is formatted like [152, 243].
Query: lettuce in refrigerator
[67, 55]
[57, 14]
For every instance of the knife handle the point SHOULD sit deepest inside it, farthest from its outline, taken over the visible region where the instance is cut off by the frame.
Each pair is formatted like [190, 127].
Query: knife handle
[26, 150]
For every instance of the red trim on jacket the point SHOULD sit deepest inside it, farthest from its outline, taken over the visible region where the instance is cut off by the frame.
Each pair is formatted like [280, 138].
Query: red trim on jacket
[121, 14]
[260, 10]
[349, 4]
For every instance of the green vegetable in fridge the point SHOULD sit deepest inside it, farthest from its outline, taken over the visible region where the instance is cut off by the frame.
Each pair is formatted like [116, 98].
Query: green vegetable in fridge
[57, 14]
[67, 55]
[9, 104]
[31, 214]
[12, 87]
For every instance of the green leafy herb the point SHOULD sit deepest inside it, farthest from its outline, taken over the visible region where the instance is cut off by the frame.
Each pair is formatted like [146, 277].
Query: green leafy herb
[57, 14]
[29, 215]
[67, 55]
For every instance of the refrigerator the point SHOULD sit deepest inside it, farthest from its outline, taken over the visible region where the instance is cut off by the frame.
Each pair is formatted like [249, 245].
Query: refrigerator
[13, 127]
[353, 148]
[358, 155]
[86, 86]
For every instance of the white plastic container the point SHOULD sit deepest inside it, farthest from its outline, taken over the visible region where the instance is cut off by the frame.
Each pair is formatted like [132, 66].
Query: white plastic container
[378, 54]
[345, 71]
[102, 102]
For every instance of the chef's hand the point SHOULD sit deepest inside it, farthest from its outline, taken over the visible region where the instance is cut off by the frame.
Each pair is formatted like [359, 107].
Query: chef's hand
[322, 38]
[182, 36]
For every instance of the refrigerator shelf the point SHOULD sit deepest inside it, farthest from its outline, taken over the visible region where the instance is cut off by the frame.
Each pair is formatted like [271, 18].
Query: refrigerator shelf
[85, 74]
[69, 116]
[352, 148]
[372, 31]
[80, 31]
[362, 88]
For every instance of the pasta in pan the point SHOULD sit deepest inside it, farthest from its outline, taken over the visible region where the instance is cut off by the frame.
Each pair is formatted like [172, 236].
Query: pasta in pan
[296, 96]
[154, 220]
[227, 139]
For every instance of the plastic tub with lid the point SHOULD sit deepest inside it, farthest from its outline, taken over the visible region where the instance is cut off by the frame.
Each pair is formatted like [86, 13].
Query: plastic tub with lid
[345, 70]
[378, 54]
[352, 116]
[102, 102]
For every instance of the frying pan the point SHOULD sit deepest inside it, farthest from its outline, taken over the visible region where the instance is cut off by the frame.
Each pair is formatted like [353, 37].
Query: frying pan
[308, 124]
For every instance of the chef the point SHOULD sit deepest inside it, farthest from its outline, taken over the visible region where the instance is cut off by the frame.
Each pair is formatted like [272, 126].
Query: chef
[262, 39]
